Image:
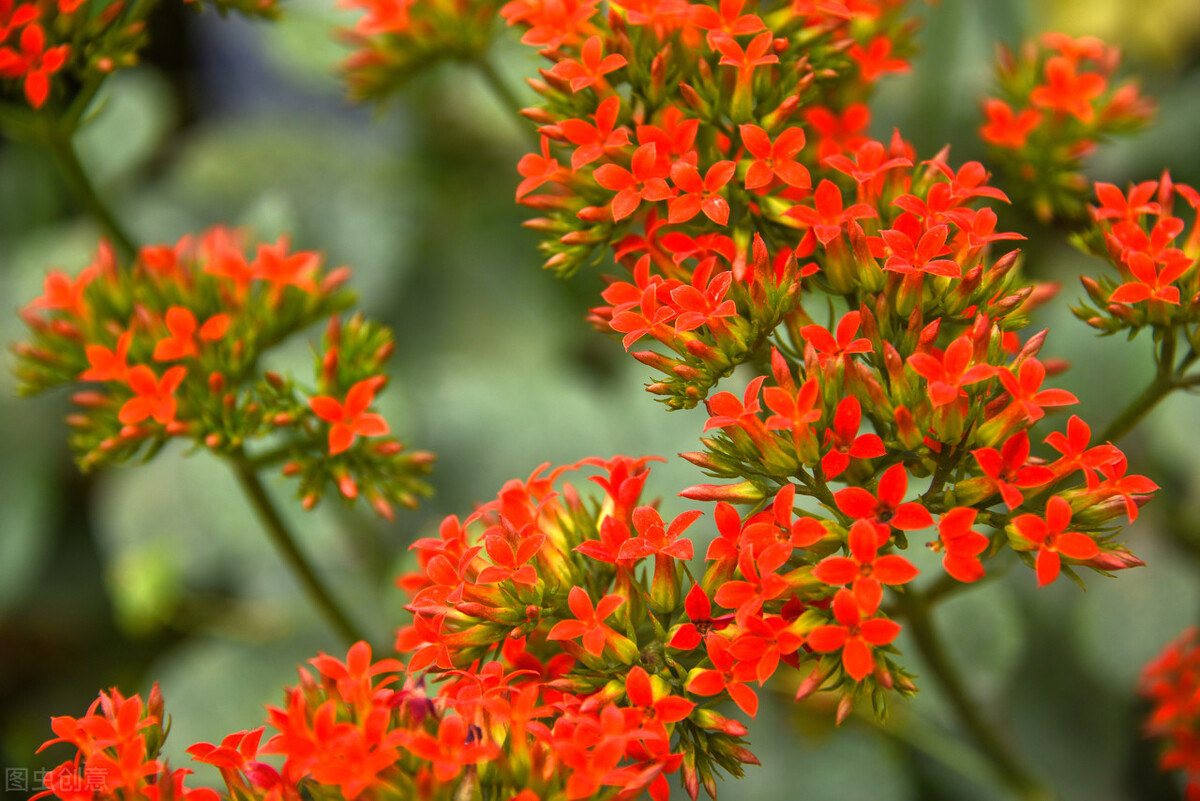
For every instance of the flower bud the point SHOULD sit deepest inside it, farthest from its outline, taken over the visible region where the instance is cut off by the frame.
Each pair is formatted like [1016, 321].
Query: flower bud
[743, 492]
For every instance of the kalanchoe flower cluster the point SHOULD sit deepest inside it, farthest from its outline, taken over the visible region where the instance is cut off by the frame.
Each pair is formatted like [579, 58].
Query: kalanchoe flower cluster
[117, 746]
[736, 230]
[396, 39]
[43, 40]
[1172, 684]
[593, 599]
[1057, 101]
[171, 347]
[1138, 233]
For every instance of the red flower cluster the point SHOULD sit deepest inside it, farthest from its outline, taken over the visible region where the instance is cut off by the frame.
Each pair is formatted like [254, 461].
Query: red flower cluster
[174, 342]
[1172, 684]
[1057, 101]
[1138, 233]
[396, 39]
[117, 744]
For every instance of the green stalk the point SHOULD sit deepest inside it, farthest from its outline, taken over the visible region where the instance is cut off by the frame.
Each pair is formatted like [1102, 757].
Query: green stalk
[503, 93]
[62, 147]
[281, 537]
[1003, 761]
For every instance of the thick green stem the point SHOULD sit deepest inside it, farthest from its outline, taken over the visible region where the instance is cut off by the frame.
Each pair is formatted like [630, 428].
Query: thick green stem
[281, 537]
[1139, 408]
[503, 93]
[1005, 763]
[63, 148]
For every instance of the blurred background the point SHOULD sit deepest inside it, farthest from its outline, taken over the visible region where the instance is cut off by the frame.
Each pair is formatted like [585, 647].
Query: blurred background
[158, 573]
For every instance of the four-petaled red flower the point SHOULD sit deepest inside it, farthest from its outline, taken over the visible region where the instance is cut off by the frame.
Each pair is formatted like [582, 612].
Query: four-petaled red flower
[154, 397]
[589, 623]
[864, 569]
[844, 441]
[888, 510]
[696, 194]
[774, 159]
[350, 419]
[1050, 538]
[855, 634]
[592, 66]
[644, 180]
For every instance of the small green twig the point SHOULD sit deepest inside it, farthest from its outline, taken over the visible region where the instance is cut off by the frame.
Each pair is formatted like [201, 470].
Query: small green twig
[285, 543]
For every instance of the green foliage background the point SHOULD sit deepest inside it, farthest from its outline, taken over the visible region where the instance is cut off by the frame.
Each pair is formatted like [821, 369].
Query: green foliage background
[159, 572]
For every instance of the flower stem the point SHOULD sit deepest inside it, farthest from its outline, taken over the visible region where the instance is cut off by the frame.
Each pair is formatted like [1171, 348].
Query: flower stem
[281, 537]
[501, 90]
[60, 142]
[1139, 408]
[1005, 763]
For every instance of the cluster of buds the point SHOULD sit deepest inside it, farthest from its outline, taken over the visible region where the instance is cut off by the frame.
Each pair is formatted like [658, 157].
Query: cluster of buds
[1057, 100]
[41, 40]
[397, 39]
[1139, 235]
[171, 347]
[1172, 684]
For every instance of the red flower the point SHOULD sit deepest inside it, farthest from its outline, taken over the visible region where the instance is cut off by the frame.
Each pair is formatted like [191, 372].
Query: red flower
[961, 544]
[913, 251]
[590, 68]
[838, 133]
[723, 677]
[35, 62]
[1007, 469]
[1068, 92]
[181, 324]
[868, 165]
[777, 160]
[853, 635]
[756, 54]
[108, 365]
[537, 170]
[354, 676]
[350, 419]
[645, 180]
[947, 376]
[844, 442]
[1025, 388]
[1076, 455]
[61, 293]
[590, 623]
[762, 583]
[696, 195]
[873, 60]
[1004, 127]
[701, 623]
[154, 397]
[656, 706]
[836, 349]
[1051, 540]
[655, 539]
[274, 265]
[864, 569]
[452, 749]
[594, 141]
[827, 217]
[888, 510]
